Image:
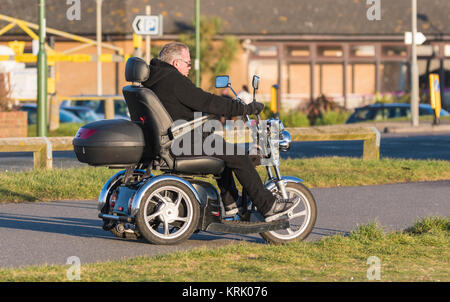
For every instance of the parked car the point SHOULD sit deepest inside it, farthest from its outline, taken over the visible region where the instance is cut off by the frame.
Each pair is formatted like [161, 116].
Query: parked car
[120, 107]
[381, 112]
[86, 114]
[64, 115]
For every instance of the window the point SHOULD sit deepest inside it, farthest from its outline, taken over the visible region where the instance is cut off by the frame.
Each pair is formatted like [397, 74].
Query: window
[447, 50]
[330, 51]
[365, 114]
[330, 79]
[399, 112]
[266, 51]
[427, 50]
[394, 50]
[296, 79]
[268, 70]
[362, 51]
[395, 77]
[361, 78]
[298, 51]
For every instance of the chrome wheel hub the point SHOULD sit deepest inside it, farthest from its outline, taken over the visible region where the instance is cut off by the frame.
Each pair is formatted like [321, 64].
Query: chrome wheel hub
[169, 213]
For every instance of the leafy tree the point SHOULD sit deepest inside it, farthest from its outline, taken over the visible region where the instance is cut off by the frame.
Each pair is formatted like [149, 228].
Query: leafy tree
[214, 59]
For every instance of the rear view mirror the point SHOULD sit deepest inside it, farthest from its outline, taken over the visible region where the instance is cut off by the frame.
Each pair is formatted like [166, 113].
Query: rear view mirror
[255, 82]
[222, 81]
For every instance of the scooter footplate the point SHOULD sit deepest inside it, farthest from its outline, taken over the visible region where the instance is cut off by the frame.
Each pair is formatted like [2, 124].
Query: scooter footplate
[245, 227]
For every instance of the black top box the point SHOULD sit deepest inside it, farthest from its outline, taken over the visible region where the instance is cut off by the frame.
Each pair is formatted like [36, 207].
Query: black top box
[116, 142]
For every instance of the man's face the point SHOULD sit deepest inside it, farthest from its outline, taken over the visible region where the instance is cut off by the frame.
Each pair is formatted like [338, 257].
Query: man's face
[183, 65]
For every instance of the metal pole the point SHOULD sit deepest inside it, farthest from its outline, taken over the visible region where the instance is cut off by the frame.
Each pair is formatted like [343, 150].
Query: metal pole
[42, 74]
[414, 70]
[197, 43]
[148, 41]
[99, 48]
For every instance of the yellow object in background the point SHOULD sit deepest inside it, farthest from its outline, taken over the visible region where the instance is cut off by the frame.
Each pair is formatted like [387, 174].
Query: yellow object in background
[17, 46]
[51, 85]
[137, 41]
[274, 99]
[435, 94]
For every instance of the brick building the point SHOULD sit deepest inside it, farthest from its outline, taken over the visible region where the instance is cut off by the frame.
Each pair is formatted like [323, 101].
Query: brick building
[308, 47]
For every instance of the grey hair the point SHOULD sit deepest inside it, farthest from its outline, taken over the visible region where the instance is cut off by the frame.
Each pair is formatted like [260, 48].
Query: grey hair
[172, 51]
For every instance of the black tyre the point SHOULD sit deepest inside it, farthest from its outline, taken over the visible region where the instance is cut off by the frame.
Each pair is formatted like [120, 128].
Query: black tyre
[168, 214]
[304, 217]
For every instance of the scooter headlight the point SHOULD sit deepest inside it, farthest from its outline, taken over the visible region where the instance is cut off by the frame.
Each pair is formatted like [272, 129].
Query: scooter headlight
[285, 141]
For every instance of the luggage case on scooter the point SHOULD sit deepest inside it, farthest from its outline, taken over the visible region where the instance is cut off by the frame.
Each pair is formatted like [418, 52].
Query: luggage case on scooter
[109, 143]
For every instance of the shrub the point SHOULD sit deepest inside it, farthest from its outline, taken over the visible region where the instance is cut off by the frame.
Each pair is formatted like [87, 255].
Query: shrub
[332, 118]
[369, 232]
[430, 225]
[294, 119]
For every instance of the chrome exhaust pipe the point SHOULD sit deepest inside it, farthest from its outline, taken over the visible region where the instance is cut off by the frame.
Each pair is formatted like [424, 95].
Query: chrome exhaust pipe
[116, 218]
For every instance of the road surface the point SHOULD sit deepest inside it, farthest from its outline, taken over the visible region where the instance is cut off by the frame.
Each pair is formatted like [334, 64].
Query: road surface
[50, 233]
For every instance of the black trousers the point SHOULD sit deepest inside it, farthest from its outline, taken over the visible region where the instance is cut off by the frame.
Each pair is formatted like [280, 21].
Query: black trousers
[242, 166]
[240, 163]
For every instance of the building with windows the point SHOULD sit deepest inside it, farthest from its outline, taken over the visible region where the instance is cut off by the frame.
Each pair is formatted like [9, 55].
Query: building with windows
[307, 47]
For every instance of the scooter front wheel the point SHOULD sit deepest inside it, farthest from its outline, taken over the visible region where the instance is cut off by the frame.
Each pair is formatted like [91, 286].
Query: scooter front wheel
[168, 214]
[302, 220]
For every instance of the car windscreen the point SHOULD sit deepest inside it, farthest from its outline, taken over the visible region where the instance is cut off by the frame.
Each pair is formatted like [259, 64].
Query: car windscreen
[364, 114]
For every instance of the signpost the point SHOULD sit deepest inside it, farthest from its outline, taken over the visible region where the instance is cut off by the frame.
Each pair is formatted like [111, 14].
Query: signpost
[148, 25]
[99, 48]
[420, 38]
[197, 43]
[414, 69]
[42, 74]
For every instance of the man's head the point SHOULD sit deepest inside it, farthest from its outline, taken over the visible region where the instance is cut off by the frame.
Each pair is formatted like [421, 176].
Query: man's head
[177, 54]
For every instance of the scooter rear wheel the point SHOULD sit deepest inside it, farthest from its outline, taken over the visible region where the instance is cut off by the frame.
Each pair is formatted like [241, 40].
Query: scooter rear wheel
[168, 214]
[303, 220]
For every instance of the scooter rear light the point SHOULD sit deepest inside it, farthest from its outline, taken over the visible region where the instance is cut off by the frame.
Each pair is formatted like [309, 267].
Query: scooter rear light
[85, 133]
[113, 199]
[130, 202]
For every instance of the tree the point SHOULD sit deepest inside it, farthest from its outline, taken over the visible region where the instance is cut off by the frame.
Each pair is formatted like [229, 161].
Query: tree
[214, 59]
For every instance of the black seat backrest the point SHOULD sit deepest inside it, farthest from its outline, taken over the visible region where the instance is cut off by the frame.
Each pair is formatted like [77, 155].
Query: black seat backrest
[145, 107]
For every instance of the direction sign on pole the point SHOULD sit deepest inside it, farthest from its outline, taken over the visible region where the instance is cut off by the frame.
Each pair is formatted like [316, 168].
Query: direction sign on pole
[420, 38]
[148, 25]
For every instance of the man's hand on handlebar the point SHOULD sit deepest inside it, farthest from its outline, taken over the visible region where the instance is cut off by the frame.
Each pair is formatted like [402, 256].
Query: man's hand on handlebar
[255, 108]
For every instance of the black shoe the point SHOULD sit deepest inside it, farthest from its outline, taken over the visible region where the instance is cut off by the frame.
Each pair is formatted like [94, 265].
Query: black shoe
[280, 208]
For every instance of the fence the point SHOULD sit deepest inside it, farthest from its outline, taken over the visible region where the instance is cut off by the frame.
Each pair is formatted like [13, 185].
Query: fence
[43, 148]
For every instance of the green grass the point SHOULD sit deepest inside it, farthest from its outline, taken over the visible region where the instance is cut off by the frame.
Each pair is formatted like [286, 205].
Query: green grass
[86, 183]
[410, 255]
[65, 129]
[56, 184]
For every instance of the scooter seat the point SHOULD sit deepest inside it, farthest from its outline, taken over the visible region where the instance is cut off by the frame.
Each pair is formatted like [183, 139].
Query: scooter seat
[199, 165]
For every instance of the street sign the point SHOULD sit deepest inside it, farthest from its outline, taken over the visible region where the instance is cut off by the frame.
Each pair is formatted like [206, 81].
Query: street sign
[420, 38]
[148, 25]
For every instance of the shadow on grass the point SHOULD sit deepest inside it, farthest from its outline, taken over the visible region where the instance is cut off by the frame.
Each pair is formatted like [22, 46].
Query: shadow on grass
[11, 196]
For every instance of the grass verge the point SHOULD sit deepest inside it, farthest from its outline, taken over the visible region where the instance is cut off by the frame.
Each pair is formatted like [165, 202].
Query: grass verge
[86, 183]
[65, 129]
[419, 253]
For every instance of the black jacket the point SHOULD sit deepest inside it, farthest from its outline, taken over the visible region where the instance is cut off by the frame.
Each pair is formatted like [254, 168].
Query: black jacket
[182, 98]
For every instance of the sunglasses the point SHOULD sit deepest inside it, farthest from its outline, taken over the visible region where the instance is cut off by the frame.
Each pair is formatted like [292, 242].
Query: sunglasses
[189, 64]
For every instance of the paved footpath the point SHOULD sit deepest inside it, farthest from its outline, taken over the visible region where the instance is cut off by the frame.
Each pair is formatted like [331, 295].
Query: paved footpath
[50, 233]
